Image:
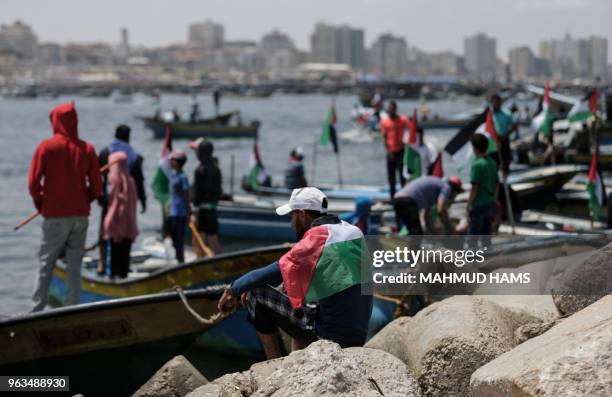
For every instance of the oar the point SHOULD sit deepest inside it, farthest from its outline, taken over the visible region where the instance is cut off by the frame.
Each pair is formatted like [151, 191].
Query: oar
[34, 214]
[194, 231]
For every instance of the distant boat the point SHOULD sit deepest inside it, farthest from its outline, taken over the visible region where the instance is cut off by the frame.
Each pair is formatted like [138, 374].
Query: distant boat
[106, 348]
[216, 127]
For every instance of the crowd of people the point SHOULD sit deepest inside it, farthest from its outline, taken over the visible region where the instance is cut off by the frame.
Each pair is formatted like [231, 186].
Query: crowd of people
[66, 175]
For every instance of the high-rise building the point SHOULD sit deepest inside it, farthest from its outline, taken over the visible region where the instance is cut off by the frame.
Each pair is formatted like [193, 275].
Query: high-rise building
[19, 39]
[599, 56]
[124, 44]
[522, 63]
[446, 63]
[338, 44]
[388, 56]
[276, 40]
[208, 35]
[583, 58]
[481, 56]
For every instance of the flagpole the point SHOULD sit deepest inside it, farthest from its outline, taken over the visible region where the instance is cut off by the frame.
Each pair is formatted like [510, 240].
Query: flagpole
[314, 163]
[506, 192]
[339, 168]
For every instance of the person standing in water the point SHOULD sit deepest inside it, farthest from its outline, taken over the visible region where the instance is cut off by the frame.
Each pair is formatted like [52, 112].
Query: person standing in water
[179, 203]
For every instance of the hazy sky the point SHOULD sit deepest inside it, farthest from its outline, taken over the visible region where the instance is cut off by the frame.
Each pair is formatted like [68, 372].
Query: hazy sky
[432, 25]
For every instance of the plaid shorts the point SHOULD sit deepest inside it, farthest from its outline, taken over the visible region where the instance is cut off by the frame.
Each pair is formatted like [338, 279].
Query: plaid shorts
[269, 308]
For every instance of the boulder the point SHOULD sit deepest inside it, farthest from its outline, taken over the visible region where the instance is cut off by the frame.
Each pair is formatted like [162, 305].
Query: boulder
[447, 341]
[573, 358]
[583, 282]
[321, 369]
[175, 378]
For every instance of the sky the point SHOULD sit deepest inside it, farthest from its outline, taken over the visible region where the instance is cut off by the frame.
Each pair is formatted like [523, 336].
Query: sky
[432, 25]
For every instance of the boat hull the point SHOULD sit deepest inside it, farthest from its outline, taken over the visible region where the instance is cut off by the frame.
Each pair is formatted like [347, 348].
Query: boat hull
[201, 130]
[233, 334]
[107, 348]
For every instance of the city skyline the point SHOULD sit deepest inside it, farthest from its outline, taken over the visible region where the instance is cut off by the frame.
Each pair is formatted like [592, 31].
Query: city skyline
[99, 22]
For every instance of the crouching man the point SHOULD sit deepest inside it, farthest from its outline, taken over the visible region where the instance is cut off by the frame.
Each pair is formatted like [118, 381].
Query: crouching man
[321, 276]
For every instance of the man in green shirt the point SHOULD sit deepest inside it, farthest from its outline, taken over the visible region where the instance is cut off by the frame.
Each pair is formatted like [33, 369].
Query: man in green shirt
[481, 202]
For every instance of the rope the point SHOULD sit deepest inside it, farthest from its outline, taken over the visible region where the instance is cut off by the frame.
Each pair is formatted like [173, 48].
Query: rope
[212, 320]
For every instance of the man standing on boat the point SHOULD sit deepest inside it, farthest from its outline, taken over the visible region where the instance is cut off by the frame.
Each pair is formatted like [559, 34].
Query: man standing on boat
[321, 275]
[392, 129]
[295, 177]
[207, 191]
[64, 179]
[121, 143]
[505, 125]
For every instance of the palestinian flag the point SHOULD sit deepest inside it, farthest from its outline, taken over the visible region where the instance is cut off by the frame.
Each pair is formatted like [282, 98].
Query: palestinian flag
[543, 122]
[596, 189]
[329, 129]
[257, 173]
[459, 147]
[413, 167]
[161, 180]
[437, 169]
[585, 109]
[327, 260]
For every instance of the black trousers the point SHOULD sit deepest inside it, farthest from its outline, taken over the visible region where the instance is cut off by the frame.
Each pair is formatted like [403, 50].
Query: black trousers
[177, 225]
[395, 164]
[506, 153]
[120, 257]
[407, 212]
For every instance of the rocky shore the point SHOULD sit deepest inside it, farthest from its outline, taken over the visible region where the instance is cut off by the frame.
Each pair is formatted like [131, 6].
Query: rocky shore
[486, 345]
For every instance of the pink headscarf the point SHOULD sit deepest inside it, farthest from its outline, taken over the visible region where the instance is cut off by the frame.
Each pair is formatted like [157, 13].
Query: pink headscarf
[120, 219]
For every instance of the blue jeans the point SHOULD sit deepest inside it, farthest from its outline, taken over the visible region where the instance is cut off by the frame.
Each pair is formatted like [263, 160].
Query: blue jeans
[177, 225]
[481, 223]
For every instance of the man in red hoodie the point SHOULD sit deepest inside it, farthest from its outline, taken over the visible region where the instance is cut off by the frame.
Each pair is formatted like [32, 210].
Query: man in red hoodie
[64, 179]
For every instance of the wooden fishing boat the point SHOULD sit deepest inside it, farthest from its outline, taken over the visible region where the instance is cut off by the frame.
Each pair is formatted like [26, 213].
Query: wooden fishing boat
[215, 128]
[233, 334]
[253, 217]
[107, 348]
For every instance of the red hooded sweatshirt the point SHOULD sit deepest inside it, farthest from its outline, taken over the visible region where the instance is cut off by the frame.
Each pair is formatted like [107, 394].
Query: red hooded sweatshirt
[64, 173]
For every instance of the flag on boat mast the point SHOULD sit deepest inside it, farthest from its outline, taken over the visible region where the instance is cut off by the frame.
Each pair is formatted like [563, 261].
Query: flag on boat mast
[413, 166]
[160, 184]
[459, 146]
[585, 109]
[437, 169]
[328, 134]
[596, 189]
[257, 173]
[542, 123]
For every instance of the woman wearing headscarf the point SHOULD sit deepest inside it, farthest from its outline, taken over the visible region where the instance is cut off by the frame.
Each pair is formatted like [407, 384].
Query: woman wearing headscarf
[120, 228]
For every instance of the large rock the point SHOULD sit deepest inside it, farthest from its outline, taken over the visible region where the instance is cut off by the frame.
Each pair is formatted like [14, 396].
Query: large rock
[574, 358]
[583, 282]
[446, 342]
[322, 369]
[175, 379]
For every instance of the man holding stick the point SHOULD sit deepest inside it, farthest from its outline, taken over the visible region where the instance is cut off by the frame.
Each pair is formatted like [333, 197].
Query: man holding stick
[64, 179]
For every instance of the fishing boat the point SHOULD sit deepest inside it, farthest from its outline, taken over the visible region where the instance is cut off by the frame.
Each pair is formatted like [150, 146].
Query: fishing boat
[216, 127]
[107, 348]
[254, 217]
[232, 334]
[534, 187]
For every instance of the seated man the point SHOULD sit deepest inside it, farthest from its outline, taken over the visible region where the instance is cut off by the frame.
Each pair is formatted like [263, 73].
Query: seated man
[422, 194]
[322, 282]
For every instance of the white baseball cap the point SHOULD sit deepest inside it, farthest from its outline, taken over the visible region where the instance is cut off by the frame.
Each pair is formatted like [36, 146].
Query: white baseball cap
[306, 198]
